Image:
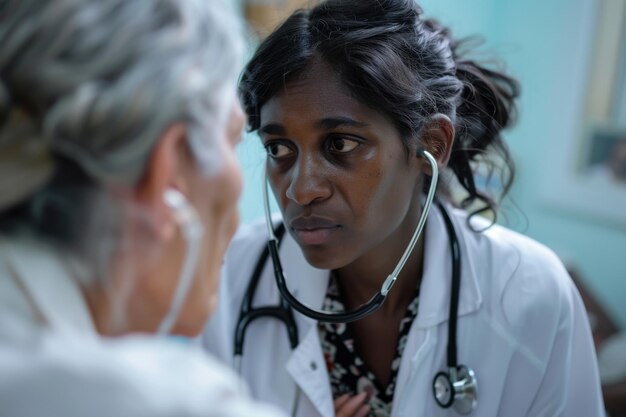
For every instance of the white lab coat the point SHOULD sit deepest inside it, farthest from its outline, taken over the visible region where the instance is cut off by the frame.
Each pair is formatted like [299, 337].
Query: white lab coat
[53, 363]
[522, 328]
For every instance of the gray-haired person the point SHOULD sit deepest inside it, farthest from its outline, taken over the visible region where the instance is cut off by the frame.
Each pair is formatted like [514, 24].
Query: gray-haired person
[118, 192]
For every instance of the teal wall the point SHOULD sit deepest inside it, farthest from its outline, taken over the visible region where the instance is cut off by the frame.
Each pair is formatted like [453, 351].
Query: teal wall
[547, 46]
[551, 52]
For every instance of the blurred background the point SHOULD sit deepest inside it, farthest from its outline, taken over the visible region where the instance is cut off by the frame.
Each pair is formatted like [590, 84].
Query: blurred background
[570, 140]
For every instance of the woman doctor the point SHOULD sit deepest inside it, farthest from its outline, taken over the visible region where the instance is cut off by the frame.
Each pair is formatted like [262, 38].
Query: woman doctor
[345, 98]
[118, 190]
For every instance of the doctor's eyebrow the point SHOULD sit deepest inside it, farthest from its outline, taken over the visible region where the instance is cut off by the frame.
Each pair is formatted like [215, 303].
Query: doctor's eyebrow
[273, 129]
[327, 123]
[330, 123]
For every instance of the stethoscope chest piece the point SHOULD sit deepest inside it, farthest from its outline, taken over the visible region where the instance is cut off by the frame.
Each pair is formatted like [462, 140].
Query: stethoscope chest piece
[459, 391]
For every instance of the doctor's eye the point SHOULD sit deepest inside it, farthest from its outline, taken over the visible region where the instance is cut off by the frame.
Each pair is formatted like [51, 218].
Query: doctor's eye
[340, 144]
[278, 150]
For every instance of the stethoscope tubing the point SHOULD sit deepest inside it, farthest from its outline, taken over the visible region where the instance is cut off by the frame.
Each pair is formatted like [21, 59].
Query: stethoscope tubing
[455, 251]
[460, 378]
[248, 313]
[363, 311]
[377, 299]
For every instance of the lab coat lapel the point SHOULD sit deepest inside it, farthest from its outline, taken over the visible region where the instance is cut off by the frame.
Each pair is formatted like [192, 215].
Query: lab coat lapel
[306, 363]
[307, 367]
[434, 305]
[411, 381]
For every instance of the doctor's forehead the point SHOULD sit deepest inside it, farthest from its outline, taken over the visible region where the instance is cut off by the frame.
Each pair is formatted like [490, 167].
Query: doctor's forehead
[319, 101]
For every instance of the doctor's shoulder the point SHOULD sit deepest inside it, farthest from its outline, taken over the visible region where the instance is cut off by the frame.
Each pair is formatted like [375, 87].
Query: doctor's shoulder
[130, 376]
[534, 315]
[525, 281]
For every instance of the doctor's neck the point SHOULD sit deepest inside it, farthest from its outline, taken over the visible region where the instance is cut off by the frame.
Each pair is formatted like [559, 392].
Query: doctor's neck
[361, 279]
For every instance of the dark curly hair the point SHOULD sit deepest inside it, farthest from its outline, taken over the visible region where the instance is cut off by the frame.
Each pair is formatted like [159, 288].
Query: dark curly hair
[404, 66]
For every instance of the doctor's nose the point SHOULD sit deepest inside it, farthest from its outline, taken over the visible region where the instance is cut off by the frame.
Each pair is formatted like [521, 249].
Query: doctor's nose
[308, 183]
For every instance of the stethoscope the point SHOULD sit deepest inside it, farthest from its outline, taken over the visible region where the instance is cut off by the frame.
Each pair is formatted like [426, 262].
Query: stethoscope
[455, 387]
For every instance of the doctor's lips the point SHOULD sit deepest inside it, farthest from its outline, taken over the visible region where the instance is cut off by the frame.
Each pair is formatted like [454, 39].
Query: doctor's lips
[313, 230]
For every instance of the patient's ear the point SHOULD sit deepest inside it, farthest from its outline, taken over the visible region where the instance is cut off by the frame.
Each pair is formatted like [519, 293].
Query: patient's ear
[437, 137]
[163, 171]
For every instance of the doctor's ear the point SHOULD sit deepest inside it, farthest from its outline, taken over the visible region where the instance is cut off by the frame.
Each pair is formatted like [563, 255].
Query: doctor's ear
[437, 137]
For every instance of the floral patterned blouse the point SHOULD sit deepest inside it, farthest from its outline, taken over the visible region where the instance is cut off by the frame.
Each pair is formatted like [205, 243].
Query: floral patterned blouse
[348, 373]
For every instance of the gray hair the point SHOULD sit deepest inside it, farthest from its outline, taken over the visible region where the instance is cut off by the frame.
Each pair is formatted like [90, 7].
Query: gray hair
[93, 83]
[96, 81]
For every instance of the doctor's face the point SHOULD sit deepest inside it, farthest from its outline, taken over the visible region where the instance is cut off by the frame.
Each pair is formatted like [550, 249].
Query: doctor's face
[343, 179]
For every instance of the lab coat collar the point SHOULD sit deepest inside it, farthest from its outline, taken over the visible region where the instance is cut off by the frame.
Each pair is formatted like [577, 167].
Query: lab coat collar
[49, 286]
[435, 289]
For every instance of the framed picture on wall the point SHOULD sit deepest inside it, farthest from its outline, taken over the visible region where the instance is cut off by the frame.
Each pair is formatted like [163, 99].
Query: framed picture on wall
[605, 158]
[592, 179]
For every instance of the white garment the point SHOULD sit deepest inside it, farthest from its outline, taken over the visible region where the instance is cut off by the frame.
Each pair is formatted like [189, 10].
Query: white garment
[522, 328]
[53, 363]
